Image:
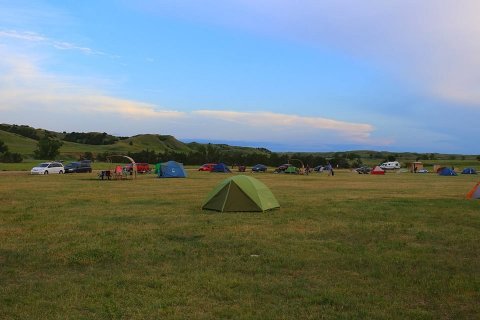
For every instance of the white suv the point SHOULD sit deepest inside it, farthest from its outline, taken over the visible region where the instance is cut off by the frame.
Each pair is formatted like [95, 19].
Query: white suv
[48, 167]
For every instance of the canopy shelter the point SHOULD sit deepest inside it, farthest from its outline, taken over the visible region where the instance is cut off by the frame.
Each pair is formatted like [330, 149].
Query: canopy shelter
[118, 172]
[171, 169]
[240, 193]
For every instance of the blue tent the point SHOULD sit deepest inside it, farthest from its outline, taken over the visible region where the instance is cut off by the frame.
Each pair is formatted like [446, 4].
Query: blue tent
[171, 169]
[447, 172]
[469, 171]
[220, 167]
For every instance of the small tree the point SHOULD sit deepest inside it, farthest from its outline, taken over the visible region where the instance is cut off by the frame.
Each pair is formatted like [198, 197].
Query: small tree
[7, 156]
[3, 147]
[47, 148]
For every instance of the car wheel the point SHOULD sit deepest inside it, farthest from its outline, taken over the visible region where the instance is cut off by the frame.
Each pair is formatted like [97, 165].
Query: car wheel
[60, 172]
[45, 172]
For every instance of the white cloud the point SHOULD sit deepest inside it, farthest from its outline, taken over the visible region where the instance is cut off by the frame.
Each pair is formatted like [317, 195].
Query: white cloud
[25, 88]
[273, 122]
[30, 36]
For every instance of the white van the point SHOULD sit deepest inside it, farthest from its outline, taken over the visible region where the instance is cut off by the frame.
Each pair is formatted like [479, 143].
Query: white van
[390, 165]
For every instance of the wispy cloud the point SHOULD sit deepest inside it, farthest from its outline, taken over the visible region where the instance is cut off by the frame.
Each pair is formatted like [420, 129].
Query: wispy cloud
[276, 121]
[39, 38]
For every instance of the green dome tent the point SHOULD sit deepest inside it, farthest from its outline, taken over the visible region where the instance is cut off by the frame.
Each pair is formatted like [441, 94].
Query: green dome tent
[240, 193]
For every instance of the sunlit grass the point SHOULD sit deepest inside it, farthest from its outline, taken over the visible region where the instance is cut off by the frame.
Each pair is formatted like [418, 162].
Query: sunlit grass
[349, 246]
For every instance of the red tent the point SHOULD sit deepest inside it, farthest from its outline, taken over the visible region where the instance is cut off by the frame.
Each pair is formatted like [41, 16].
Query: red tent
[377, 170]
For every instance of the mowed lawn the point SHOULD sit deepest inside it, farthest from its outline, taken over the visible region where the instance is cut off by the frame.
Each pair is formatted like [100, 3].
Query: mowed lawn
[399, 246]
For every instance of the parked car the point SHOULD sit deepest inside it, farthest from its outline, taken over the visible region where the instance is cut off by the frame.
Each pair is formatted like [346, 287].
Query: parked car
[207, 167]
[79, 167]
[390, 165]
[318, 169]
[259, 168]
[422, 171]
[363, 170]
[141, 167]
[47, 168]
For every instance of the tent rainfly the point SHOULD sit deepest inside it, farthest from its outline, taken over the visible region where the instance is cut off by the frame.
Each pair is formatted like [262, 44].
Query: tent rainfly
[240, 193]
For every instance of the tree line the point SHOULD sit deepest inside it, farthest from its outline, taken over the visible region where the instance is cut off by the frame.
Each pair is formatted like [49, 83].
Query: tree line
[212, 154]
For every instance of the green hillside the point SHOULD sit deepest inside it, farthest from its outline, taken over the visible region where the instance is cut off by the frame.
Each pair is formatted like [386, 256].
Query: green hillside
[17, 143]
[153, 142]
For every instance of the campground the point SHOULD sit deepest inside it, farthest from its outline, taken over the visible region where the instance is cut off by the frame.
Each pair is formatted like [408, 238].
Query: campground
[350, 246]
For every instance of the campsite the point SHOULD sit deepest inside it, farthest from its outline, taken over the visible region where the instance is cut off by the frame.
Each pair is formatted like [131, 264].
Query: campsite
[238, 159]
[347, 246]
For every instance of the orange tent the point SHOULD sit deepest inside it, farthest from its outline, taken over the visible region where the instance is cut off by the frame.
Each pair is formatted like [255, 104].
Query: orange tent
[475, 192]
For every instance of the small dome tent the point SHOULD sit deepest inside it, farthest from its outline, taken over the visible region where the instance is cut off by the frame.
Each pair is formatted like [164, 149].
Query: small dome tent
[220, 167]
[447, 172]
[171, 169]
[377, 170]
[469, 171]
[240, 193]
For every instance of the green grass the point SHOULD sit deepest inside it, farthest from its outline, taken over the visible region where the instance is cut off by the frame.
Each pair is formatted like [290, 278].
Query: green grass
[399, 246]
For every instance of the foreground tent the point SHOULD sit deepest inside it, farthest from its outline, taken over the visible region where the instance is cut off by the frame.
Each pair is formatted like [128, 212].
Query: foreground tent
[377, 170]
[475, 192]
[220, 167]
[240, 193]
[469, 171]
[447, 172]
[171, 169]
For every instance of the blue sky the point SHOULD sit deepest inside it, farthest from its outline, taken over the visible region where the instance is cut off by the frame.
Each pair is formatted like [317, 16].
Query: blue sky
[308, 75]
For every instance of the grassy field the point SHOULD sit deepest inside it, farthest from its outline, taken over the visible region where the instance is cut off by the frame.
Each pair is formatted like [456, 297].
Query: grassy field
[399, 246]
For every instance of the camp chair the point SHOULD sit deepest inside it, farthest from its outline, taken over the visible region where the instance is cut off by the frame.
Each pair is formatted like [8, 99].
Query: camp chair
[118, 172]
[104, 174]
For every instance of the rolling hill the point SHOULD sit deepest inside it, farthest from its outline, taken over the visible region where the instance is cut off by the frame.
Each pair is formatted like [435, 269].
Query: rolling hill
[153, 142]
